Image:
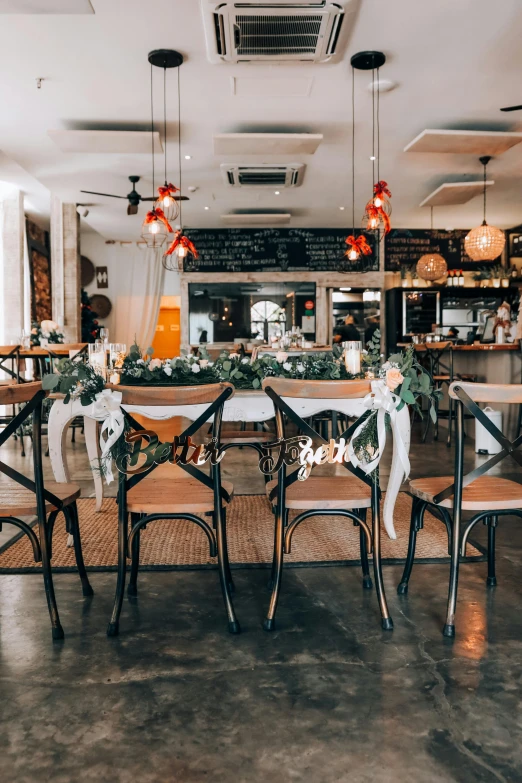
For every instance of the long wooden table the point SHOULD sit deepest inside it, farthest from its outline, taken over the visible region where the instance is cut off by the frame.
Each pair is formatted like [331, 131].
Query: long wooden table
[245, 405]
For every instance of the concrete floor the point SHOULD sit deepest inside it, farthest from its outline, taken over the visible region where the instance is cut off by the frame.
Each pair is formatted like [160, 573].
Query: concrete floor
[328, 697]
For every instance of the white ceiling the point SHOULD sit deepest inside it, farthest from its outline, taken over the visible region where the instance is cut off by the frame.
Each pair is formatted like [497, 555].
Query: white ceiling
[455, 65]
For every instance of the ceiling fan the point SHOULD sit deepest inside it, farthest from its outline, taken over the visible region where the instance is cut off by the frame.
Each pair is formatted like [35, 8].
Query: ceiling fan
[133, 197]
[512, 108]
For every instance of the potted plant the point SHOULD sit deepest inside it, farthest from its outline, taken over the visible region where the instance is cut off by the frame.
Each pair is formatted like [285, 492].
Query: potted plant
[481, 276]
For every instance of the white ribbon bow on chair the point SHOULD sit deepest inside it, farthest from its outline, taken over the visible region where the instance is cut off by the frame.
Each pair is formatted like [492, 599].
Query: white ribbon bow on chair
[107, 408]
[382, 400]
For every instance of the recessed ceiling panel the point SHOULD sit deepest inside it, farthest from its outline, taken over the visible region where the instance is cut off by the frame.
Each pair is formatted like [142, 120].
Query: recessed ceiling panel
[464, 142]
[46, 7]
[451, 193]
[282, 87]
[266, 143]
[106, 141]
[257, 219]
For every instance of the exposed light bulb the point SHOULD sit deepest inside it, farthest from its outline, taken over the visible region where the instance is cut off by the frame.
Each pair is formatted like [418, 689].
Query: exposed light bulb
[353, 255]
[378, 202]
[373, 223]
[167, 201]
[154, 227]
[182, 251]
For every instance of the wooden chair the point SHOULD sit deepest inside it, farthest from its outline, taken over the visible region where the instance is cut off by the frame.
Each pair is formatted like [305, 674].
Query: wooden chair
[349, 496]
[11, 355]
[149, 499]
[23, 497]
[489, 497]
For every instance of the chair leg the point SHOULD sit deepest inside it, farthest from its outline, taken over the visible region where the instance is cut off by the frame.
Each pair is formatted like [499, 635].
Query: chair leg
[277, 569]
[492, 527]
[230, 581]
[449, 626]
[450, 421]
[114, 623]
[367, 580]
[271, 581]
[72, 512]
[386, 620]
[402, 588]
[57, 630]
[132, 589]
[233, 624]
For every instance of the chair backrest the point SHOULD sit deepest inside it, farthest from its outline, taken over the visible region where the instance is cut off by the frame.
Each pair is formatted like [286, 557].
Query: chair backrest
[287, 394]
[323, 390]
[32, 395]
[207, 402]
[467, 395]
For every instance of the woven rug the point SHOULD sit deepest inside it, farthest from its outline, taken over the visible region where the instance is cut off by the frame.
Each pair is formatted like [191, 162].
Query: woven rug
[179, 544]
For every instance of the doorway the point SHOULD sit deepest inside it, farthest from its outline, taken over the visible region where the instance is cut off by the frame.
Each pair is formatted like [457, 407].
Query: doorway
[166, 341]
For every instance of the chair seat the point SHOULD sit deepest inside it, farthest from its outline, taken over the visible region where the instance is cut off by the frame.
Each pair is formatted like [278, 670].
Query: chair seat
[486, 493]
[230, 437]
[16, 501]
[172, 496]
[326, 492]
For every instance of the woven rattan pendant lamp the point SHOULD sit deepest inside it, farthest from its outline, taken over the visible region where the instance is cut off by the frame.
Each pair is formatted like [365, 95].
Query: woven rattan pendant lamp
[431, 266]
[484, 243]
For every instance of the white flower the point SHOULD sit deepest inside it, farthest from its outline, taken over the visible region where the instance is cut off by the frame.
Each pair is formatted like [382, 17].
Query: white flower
[203, 363]
[300, 367]
[211, 364]
[287, 366]
[48, 326]
[196, 368]
[245, 360]
[281, 357]
[140, 361]
[155, 364]
[167, 370]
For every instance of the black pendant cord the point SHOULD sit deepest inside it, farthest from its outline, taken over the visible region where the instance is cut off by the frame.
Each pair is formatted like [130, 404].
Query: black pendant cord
[165, 119]
[485, 165]
[431, 208]
[152, 128]
[353, 151]
[179, 154]
[373, 128]
[378, 129]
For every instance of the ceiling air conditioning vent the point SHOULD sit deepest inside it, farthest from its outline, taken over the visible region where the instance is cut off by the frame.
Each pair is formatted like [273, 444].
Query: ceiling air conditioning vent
[266, 175]
[272, 31]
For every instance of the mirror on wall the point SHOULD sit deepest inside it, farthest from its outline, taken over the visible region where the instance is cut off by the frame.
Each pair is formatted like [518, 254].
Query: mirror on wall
[249, 312]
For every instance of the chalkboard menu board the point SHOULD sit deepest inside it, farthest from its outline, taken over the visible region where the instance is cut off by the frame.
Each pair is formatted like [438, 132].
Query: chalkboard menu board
[404, 247]
[276, 250]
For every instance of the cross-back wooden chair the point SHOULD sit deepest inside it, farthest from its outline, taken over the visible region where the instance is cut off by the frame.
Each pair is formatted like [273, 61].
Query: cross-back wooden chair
[348, 496]
[489, 497]
[11, 355]
[148, 499]
[21, 496]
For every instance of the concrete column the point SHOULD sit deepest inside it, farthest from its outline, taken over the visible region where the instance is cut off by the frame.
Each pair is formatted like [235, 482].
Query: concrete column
[65, 268]
[12, 226]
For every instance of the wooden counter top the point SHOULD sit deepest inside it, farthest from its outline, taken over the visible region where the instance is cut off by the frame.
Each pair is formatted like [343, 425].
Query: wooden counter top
[479, 347]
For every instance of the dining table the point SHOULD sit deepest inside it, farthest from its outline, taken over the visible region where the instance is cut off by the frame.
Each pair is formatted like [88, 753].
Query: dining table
[248, 405]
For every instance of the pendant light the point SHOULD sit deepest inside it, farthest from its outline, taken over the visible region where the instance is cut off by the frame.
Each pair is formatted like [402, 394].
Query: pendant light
[378, 209]
[357, 245]
[431, 266]
[485, 243]
[181, 246]
[156, 226]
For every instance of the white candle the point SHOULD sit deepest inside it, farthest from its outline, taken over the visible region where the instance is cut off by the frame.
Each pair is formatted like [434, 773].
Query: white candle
[352, 357]
[115, 378]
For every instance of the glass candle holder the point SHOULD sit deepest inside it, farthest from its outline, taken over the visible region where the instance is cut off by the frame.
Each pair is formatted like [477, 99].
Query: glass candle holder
[117, 352]
[114, 376]
[352, 356]
[97, 355]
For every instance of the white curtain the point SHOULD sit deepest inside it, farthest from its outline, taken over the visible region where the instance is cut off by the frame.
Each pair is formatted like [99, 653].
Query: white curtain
[140, 276]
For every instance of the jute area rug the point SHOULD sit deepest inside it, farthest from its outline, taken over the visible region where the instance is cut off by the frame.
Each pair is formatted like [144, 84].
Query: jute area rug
[179, 544]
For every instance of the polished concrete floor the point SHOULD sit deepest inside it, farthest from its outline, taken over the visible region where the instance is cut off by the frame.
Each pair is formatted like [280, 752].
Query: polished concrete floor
[328, 697]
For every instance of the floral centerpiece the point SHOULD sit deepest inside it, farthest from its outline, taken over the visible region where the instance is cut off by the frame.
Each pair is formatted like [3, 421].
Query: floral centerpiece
[48, 330]
[397, 382]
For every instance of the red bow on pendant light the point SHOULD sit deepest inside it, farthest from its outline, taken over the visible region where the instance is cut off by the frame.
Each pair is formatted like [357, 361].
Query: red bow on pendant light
[357, 246]
[157, 215]
[182, 246]
[378, 209]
